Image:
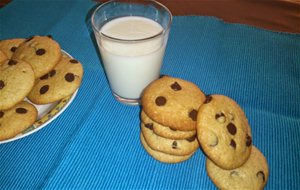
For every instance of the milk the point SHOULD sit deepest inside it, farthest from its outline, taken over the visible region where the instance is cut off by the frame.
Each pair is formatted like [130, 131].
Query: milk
[130, 62]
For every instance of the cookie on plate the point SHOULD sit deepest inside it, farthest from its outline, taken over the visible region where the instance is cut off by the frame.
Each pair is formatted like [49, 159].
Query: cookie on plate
[173, 102]
[9, 46]
[42, 52]
[169, 146]
[16, 119]
[223, 132]
[252, 175]
[165, 131]
[60, 82]
[2, 56]
[16, 81]
[163, 157]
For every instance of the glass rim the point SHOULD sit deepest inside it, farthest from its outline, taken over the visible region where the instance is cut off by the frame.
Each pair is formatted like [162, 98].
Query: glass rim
[133, 40]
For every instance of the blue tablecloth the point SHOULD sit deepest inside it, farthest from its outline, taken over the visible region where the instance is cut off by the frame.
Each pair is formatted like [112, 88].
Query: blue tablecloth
[95, 142]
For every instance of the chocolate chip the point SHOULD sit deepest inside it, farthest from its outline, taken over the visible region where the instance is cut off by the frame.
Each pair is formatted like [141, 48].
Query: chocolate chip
[52, 73]
[208, 99]
[1, 84]
[191, 139]
[231, 128]
[12, 62]
[173, 129]
[44, 77]
[49, 36]
[40, 52]
[1, 114]
[220, 117]
[149, 126]
[73, 61]
[261, 174]
[174, 144]
[21, 110]
[13, 49]
[69, 77]
[175, 86]
[160, 101]
[248, 140]
[193, 114]
[232, 143]
[44, 89]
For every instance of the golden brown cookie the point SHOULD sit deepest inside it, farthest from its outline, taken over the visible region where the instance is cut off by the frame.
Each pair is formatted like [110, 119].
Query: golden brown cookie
[2, 56]
[16, 119]
[165, 131]
[9, 46]
[252, 175]
[42, 52]
[173, 102]
[169, 146]
[60, 82]
[223, 132]
[16, 81]
[163, 157]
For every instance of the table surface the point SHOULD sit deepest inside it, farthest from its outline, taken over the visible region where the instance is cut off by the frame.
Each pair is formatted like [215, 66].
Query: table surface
[94, 143]
[278, 15]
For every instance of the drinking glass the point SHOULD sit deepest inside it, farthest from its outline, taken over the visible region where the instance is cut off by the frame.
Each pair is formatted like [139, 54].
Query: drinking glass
[132, 36]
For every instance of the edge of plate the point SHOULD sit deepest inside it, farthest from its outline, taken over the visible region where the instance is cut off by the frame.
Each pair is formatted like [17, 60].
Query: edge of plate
[38, 127]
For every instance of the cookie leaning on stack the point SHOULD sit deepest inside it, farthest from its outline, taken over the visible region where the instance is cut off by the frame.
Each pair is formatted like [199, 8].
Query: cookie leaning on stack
[224, 132]
[168, 119]
[225, 137]
[34, 68]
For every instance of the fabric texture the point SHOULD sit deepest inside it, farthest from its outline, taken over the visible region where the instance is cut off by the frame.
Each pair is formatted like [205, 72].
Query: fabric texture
[95, 142]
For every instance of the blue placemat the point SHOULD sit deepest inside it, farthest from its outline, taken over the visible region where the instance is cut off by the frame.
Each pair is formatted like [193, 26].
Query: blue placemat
[95, 142]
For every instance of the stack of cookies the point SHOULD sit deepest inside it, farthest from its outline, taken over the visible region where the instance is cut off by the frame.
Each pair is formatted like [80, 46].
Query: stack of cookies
[225, 137]
[34, 69]
[176, 116]
[168, 119]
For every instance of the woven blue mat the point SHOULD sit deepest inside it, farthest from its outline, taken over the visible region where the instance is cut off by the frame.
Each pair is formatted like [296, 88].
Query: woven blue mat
[95, 142]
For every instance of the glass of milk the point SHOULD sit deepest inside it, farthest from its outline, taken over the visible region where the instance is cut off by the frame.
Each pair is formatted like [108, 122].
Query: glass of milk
[132, 37]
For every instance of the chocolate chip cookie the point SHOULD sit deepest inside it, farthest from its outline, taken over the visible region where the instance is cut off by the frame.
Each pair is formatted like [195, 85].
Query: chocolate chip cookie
[223, 132]
[42, 52]
[16, 119]
[165, 131]
[9, 46]
[169, 146]
[16, 81]
[60, 82]
[252, 175]
[163, 157]
[173, 102]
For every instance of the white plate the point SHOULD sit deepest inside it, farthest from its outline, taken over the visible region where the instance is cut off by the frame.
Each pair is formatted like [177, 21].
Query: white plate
[46, 114]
